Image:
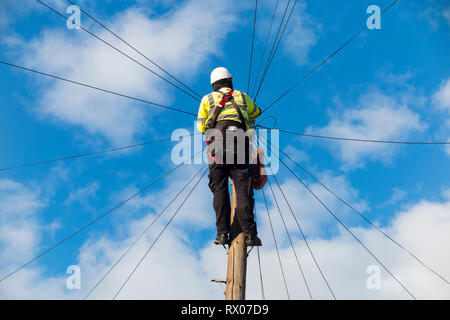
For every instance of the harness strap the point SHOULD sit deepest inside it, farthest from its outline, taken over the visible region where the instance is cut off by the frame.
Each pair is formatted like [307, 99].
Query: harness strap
[225, 98]
[238, 110]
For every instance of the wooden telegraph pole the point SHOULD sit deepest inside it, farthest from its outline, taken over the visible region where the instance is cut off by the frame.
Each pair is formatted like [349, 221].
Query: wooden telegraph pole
[237, 258]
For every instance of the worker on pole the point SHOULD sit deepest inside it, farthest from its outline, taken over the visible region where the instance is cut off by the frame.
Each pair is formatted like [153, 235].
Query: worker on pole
[222, 114]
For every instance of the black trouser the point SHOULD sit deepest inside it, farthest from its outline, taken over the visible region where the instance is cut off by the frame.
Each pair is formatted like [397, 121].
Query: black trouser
[243, 184]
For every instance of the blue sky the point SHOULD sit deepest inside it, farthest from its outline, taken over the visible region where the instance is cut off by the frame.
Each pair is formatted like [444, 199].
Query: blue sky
[391, 84]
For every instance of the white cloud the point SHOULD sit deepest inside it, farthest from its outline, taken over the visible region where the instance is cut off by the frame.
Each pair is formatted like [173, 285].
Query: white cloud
[345, 262]
[9, 11]
[301, 35]
[21, 233]
[200, 213]
[176, 269]
[172, 270]
[446, 15]
[181, 40]
[377, 116]
[447, 148]
[395, 79]
[19, 228]
[296, 154]
[442, 97]
[82, 194]
[435, 13]
[446, 193]
[312, 216]
[397, 195]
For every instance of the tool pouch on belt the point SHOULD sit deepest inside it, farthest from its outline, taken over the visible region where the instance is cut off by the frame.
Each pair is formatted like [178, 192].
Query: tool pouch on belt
[259, 172]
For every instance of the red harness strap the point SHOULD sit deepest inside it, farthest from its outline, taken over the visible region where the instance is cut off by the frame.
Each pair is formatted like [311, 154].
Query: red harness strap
[225, 98]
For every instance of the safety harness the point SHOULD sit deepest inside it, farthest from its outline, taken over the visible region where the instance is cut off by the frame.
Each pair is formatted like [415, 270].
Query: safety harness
[258, 171]
[226, 97]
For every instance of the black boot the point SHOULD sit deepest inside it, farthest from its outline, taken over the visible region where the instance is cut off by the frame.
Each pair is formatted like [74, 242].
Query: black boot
[252, 240]
[222, 239]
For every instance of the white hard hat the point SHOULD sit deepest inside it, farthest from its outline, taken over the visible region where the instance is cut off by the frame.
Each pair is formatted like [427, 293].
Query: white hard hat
[219, 74]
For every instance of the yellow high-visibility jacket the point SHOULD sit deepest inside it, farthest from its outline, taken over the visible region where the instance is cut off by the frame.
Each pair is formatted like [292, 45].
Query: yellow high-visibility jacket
[249, 110]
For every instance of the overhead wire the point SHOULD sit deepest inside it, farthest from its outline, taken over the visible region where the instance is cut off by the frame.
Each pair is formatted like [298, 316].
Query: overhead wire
[263, 296]
[94, 87]
[306, 241]
[271, 57]
[137, 145]
[290, 241]
[122, 148]
[324, 61]
[134, 49]
[303, 235]
[70, 236]
[118, 50]
[264, 50]
[159, 235]
[360, 140]
[142, 234]
[373, 225]
[345, 227]
[253, 42]
[272, 48]
[276, 245]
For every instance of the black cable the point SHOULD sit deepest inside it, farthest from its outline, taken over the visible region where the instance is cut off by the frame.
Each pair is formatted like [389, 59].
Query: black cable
[118, 50]
[277, 46]
[276, 245]
[273, 46]
[263, 296]
[90, 223]
[253, 41]
[272, 50]
[141, 235]
[136, 50]
[325, 60]
[88, 154]
[346, 228]
[362, 216]
[290, 241]
[264, 50]
[275, 51]
[154, 242]
[268, 117]
[95, 88]
[304, 238]
[282, 35]
[361, 140]
[306, 241]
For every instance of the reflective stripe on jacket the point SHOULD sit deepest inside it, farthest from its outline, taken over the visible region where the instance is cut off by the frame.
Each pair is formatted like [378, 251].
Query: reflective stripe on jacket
[209, 102]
